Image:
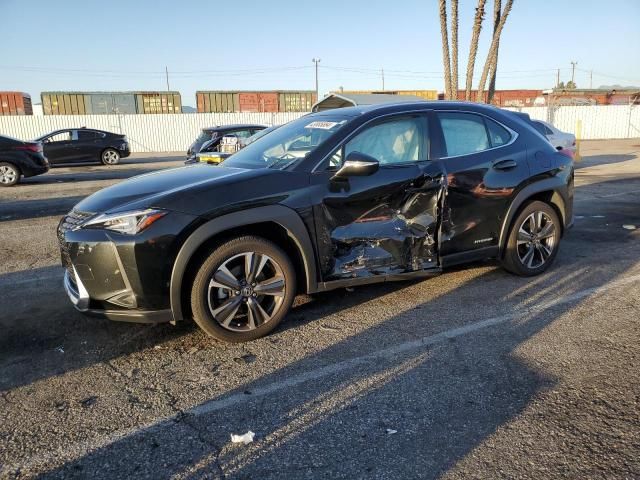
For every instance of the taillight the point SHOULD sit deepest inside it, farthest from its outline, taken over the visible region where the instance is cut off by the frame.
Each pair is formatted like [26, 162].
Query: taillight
[32, 147]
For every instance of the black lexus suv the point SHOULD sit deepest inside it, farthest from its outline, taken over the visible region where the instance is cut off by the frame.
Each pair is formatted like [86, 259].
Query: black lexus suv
[339, 198]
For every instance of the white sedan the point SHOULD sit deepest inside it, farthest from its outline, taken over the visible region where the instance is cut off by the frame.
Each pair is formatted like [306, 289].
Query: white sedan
[560, 140]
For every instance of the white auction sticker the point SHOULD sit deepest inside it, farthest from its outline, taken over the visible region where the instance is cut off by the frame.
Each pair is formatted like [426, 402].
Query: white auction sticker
[322, 125]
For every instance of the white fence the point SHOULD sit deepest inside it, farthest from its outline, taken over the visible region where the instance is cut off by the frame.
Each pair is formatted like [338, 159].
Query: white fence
[146, 133]
[175, 132]
[592, 121]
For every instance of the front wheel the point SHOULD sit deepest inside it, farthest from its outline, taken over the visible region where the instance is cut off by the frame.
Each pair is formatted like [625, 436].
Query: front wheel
[9, 174]
[243, 289]
[110, 157]
[533, 240]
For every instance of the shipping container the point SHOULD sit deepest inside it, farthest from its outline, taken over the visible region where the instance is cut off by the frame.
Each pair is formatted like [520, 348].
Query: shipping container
[258, 101]
[296, 101]
[15, 103]
[426, 94]
[255, 101]
[104, 103]
[158, 102]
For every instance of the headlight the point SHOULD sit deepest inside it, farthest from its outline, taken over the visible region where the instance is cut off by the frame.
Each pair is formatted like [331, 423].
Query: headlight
[128, 223]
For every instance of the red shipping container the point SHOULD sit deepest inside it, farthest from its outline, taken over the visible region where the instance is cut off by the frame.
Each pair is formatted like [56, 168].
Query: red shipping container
[258, 101]
[15, 103]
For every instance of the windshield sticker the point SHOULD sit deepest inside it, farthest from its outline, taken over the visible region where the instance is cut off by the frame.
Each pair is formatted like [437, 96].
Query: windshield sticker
[322, 125]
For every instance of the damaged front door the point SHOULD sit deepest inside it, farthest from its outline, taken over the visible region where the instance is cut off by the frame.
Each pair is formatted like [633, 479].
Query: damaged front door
[386, 222]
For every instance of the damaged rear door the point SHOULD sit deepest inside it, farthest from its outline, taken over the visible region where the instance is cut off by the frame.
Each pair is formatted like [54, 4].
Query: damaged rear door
[385, 223]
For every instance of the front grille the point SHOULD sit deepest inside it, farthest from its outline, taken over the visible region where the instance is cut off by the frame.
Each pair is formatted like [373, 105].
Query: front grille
[73, 219]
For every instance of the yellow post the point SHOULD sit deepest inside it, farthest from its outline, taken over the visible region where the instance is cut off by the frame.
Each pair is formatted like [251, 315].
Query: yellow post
[577, 156]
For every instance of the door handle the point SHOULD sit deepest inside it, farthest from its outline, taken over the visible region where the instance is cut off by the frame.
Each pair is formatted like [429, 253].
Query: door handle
[505, 164]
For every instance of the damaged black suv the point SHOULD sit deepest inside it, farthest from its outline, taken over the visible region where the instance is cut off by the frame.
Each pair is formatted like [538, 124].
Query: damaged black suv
[339, 198]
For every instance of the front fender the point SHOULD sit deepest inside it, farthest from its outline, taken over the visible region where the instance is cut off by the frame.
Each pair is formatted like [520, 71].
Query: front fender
[284, 216]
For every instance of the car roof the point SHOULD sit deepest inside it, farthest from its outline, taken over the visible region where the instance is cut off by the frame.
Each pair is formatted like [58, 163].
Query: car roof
[383, 108]
[234, 126]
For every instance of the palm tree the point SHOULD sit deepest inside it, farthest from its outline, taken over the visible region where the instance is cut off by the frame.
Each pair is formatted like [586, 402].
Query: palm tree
[473, 49]
[492, 56]
[446, 61]
[494, 66]
[454, 50]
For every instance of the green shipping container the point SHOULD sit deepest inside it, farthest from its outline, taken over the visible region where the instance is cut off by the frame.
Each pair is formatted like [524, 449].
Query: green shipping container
[296, 101]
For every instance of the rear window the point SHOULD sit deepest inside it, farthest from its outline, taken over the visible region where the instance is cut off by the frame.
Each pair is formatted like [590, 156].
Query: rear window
[497, 133]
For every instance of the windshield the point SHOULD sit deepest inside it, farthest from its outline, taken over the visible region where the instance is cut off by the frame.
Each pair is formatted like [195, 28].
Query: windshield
[204, 136]
[287, 144]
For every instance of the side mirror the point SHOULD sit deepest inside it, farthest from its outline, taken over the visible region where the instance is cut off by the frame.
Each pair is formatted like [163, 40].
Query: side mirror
[357, 165]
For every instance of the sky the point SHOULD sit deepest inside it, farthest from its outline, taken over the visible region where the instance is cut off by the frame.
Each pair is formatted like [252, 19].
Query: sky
[98, 45]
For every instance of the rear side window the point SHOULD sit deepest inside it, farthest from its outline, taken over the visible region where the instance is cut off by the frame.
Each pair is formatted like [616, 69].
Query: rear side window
[89, 135]
[467, 133]
[464, 133]
[542, 128]
[497, 133]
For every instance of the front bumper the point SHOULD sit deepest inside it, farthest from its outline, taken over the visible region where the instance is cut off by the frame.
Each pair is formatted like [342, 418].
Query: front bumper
[120, 277]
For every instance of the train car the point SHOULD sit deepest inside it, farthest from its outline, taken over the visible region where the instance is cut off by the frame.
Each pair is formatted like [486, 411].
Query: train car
[106, 103]
[15, 103]
[425, 94]
[228, 101]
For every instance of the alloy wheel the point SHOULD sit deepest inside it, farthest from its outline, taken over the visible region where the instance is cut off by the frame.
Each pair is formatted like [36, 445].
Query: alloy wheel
[537, 237]
[246, 291]
[110, 157]
[8, 175]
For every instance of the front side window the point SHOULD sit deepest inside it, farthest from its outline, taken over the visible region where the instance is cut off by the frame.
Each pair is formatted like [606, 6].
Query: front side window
[397, 141]
[60, 137]
[464, 133]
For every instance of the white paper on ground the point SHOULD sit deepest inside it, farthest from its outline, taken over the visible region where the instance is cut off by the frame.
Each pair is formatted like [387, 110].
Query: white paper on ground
[246, 438]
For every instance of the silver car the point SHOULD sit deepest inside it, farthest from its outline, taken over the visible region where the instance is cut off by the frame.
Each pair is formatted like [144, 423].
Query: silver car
[559, 139]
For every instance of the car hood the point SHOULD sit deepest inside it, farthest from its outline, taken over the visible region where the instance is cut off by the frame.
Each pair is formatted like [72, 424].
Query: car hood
[154, 189]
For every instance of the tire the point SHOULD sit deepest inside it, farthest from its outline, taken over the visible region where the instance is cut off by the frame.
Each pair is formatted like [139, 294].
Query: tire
[110, 156]
[533, 241]
[9, 174]
[238, 318]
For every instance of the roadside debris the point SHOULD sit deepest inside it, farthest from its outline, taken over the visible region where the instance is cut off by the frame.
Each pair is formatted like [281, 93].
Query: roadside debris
[391, 431]
[246, 438]
[350, 289]
[59, 349]
[247, 358]
[629, 227]
[87, 402]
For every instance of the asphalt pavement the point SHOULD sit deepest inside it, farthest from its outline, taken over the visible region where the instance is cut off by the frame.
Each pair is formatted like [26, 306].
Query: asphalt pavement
[471, 374]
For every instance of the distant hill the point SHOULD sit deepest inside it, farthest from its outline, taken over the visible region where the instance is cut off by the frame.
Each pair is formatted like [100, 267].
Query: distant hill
[619, 87]
[187, 109]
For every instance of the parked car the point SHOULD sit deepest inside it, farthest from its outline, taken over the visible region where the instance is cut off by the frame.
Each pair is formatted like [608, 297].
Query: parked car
[209, 138]
[20, 159]
[339, 198]
[76, 145]
[219, 156]
[559, 139]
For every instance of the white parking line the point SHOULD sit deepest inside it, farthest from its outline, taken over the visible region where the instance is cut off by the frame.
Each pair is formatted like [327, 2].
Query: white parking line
[81, 449]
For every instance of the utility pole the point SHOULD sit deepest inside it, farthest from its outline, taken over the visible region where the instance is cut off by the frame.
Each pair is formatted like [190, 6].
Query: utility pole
[591, 79]
[166, 72]
[573, 72]
[558, 79]
[316, 61]
[382, 72]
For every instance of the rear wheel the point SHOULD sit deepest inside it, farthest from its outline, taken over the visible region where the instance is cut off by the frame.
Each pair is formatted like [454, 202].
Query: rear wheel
[243, 289]
[533, 241]
[9, 174]
[110, 157]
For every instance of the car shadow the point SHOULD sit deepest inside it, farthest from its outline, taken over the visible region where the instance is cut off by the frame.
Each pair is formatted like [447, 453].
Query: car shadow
[37, 208]
[469, 386]
[593, 160]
